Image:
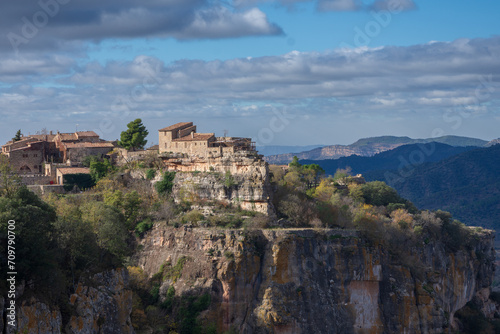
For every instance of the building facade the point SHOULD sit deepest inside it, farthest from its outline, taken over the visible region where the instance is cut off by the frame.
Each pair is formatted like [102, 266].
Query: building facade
[183, 138]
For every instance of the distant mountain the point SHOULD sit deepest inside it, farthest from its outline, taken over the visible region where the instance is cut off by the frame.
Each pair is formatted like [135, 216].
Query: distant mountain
[467, 185]
[277, 149]
[368, 147]
[493, 142]
[399, 157]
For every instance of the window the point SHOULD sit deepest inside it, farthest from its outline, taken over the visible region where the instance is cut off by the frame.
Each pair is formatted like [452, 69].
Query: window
[35, 155]
[25, 155]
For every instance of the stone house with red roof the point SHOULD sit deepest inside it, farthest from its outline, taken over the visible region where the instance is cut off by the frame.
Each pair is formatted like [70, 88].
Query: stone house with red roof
[183, 138]
[28, 155]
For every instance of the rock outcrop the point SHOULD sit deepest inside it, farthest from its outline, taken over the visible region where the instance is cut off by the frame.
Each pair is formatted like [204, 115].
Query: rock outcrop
[103, 306]
[334, 281]
[241, 178]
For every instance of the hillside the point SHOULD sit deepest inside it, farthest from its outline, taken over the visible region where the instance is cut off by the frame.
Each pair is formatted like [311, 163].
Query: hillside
[150, 250]
[391, 159]
[367, 147]
[467, 185]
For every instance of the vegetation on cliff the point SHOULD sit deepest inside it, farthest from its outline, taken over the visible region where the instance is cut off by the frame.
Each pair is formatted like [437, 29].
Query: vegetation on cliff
[66, 238]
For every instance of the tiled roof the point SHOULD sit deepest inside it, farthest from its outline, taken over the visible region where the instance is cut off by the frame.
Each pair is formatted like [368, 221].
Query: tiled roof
[24, 139]
[87, 134]
[27, 147]
[176, 126]
[44, 137]
[74, 170]
[154, 148]
[86, 145]
[197, 137]
[67, 136]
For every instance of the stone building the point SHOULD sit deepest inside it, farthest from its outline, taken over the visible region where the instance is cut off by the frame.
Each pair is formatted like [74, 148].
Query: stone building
[76, 152]
[61, 172]
[183, 138]
[28, 155]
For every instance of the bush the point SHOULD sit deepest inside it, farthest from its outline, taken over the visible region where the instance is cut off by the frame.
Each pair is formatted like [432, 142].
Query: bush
[193, 217]
[166, 184]
[150, 174]
[143, 226]
[99, 169]
[229, 180]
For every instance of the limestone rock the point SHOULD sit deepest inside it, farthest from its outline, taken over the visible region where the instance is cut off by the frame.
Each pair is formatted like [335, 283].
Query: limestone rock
[304, 281]
[105, 308]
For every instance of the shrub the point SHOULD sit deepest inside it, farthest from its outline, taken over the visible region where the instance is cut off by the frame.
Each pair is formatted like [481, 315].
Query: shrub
[150, 174]
[229, 180]
[99, 169]
[143, 226]
[166, 184]
[192, 217]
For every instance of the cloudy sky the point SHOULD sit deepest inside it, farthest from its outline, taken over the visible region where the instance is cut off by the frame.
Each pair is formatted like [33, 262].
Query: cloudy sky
[286, 72]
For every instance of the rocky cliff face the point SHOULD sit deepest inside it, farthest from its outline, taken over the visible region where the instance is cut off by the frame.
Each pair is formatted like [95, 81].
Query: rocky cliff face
[104, 307]
[240, 178]
[303, 281]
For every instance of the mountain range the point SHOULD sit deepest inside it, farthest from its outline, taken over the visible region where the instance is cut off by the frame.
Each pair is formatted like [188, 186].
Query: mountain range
[368, 147]
[462, 180]
[400, 157]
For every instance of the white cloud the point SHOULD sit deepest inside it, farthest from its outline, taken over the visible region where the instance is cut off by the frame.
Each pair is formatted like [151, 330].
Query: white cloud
[389, 81]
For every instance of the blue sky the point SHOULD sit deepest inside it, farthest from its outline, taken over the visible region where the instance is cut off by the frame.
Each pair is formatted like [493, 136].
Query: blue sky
[283, 72]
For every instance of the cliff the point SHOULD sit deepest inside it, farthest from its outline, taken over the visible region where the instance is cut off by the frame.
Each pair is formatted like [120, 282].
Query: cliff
[305, 281]
[241, 178]
[102, 305]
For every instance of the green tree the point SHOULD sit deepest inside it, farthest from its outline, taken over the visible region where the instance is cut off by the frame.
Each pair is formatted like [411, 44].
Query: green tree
[9, 180]
[35, 248]
[295, 162]
[135, 136]
[18, 136]
[312, 174]
[99, 169]
[342, 175]
[107, 224]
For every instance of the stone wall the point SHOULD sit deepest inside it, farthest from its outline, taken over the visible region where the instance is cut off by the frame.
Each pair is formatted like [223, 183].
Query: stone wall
[37, 179]
[45, 189]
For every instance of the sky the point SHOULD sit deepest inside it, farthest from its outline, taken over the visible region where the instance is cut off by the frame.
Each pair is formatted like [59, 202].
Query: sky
[287, 72]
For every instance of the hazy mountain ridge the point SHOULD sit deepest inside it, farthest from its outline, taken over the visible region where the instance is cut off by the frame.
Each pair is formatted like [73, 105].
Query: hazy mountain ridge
[392, 159]
[370, 146]
[284, 149]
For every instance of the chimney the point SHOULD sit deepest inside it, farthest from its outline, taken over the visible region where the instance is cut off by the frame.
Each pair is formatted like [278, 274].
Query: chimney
[51, 132]
[192, 134]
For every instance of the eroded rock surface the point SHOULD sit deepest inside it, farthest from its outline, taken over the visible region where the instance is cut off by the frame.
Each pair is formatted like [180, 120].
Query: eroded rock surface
[303, 281]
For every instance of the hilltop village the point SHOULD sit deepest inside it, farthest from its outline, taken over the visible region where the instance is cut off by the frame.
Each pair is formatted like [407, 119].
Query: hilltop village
[47, 159]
